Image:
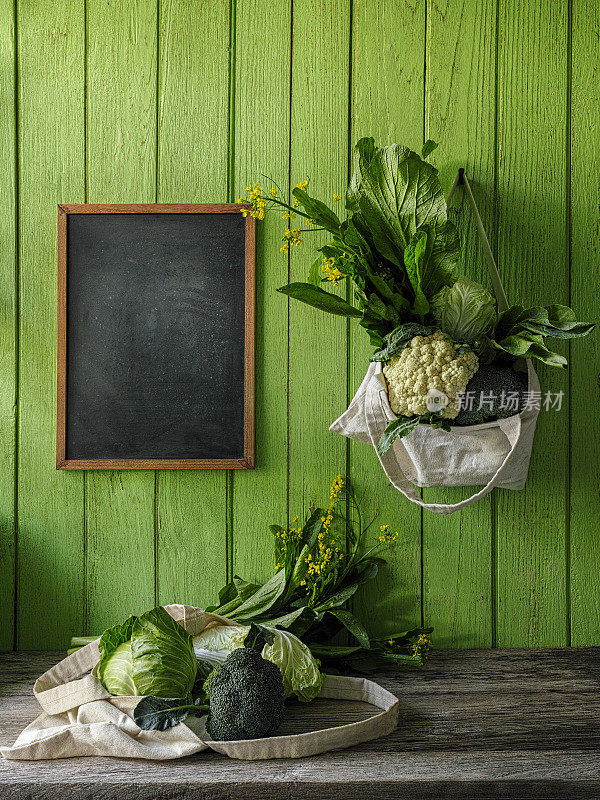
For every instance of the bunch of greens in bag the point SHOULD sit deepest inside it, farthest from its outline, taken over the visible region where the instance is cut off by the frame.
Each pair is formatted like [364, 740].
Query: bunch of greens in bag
[399, 251]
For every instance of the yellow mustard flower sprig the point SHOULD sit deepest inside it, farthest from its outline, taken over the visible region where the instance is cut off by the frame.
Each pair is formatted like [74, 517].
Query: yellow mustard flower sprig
[331, 271]
[260, 202]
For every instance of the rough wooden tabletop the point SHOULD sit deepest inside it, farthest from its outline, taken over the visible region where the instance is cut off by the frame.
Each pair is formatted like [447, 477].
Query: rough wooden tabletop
[473, 724]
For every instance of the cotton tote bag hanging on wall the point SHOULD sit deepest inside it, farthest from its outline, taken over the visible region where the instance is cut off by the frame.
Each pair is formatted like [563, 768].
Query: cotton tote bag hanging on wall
[495, 454]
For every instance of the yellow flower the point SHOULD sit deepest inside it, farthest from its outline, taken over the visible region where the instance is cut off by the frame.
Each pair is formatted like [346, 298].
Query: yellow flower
[273, 191]
[331, 272]
[337, 197]
[248, 188]
[290, 238]
[302, 185]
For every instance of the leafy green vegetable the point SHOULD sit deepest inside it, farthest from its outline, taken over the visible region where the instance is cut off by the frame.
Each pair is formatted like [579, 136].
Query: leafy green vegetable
[399, 339]
[318, 298]
[397, 429]
[466, 311]
[147, 655]
[395, 193]
[402, 426]
[520, 332]
[159, 713]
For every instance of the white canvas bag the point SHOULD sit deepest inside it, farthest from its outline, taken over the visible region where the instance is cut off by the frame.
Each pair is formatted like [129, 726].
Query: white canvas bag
[493, 454]
[80, 718]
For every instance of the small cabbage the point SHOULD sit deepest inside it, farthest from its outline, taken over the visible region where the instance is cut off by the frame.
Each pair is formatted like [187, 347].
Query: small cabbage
[465, 311]
[300, 670]
[147, 655]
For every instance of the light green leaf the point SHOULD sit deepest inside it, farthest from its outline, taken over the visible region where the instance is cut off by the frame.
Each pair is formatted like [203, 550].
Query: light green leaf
[465, 311]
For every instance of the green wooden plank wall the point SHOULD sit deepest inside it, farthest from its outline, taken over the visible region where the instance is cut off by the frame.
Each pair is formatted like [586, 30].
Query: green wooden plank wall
[179, 101]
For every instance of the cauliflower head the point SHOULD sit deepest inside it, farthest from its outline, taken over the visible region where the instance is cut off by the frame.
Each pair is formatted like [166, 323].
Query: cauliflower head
[429, 363]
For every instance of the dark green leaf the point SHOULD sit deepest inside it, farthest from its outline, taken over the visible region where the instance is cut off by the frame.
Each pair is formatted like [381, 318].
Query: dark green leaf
[316, 297]
[428, 148]
[312, 527]
[318, 211]
[396, 429]
[258, 637]
[400, 338]
[159, 713]
[352, 624]
[263, 599]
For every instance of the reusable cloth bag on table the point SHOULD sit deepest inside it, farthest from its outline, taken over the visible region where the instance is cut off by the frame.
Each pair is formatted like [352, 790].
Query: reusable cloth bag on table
[80, 718]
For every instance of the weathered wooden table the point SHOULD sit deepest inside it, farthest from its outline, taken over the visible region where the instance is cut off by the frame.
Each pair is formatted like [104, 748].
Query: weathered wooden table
[473, 724]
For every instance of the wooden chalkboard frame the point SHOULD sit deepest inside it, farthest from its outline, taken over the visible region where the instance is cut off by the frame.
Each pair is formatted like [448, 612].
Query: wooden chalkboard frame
[247, 462]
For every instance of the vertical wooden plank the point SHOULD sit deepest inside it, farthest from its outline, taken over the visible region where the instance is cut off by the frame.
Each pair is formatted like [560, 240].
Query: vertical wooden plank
[460, 115]
[121, 167]
[318, 341]
[193, 166]
[532, 235]
[388, 46]
[51, 167]
[585, 291]
[8, 341]
[262, 102]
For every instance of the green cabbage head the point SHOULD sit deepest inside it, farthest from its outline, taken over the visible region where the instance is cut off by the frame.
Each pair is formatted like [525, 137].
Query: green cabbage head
[147, 655]
[466, 311]
[299, 668]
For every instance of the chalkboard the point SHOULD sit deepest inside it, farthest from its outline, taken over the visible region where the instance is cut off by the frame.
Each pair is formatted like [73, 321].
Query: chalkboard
[155, 337]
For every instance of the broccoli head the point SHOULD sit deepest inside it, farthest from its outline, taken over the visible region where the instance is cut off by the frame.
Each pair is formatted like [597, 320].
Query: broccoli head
[493, 387]
[245, 694]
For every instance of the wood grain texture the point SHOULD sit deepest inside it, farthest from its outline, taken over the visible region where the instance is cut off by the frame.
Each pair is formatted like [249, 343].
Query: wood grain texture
[121, 168]
[473, 724]
[51, 171]
[388, 43]
[461, 63]
[193, 166]
[318, 342]
[261, 147]
[8, 316]
[585, 354]
[532, 248]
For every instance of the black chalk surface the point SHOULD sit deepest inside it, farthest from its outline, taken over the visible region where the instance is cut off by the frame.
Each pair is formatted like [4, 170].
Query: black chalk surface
[155, 336]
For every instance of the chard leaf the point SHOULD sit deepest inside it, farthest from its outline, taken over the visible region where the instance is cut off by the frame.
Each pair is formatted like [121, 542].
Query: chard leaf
[160, 713]
[396, 429]
[317, 298]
